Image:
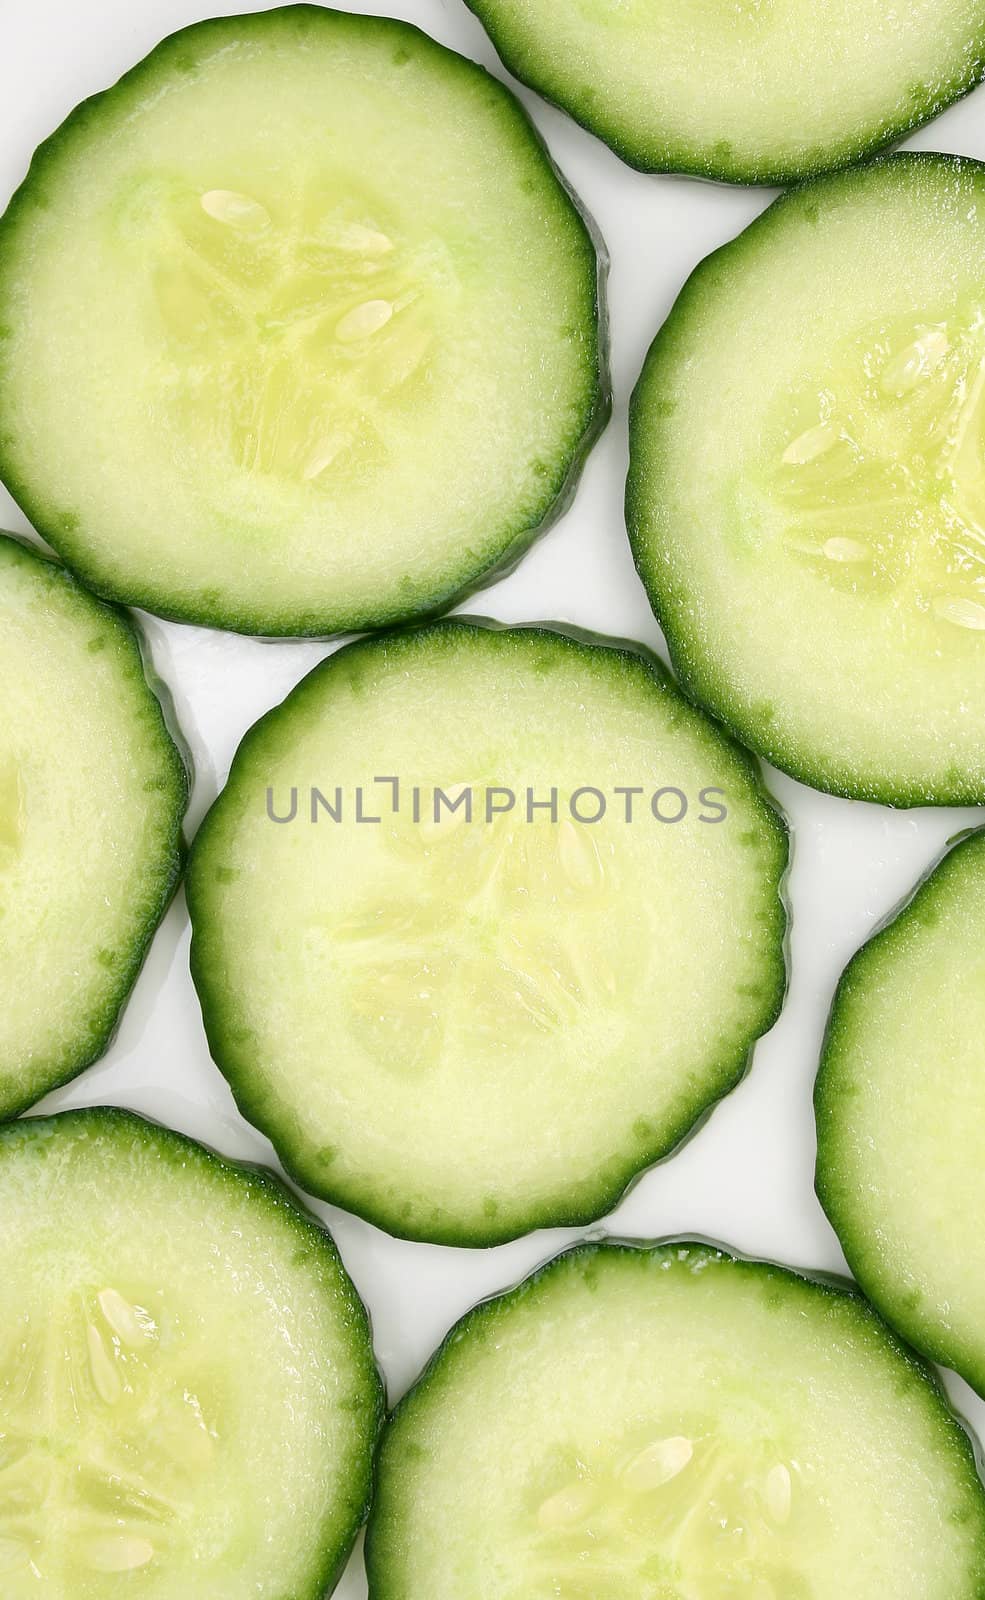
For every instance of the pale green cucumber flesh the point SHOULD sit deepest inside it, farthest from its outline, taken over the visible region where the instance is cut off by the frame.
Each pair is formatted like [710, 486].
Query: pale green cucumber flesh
[670, 1423]
[92, 795]
[748, 91]
[466, 1030]
[900, 1103]
[806, 496]
[188, 1398]
[299, 328]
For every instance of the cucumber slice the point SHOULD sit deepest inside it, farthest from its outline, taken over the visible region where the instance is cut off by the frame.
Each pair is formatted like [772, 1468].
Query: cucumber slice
[900, 1104]
[747, 91]
[463, 1030]
[671, 1423]
[806, 495]
[327, 349]
[187, 1386]
[92, 795]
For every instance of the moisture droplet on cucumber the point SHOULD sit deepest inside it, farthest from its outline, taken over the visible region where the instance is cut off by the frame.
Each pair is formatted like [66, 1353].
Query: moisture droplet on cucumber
[807, 490]
[676, 1424]
[465, 1029]
[298, 328]
[749, 91]
[900, 1104]
[92, 794]
[187, 1389]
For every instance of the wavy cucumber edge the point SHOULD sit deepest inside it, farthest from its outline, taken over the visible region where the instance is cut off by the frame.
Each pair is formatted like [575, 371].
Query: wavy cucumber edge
[844, 1218]
[702, 680]
[253, 1104]
[692, 161]
[176, 755]
[560, 491]
[334, 1555]
[967, 1450]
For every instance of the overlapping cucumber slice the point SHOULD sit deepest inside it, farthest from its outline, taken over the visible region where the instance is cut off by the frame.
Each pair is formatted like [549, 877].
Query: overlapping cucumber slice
[466, 1025]
[299, 328]
[670, 1423]
[807, 491]
[188, 1400]
[900, 1104]
[92, 794]
[749, 91]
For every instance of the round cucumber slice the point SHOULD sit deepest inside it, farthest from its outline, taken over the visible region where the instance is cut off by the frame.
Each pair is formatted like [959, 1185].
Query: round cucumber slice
[464, 1024]
[747, 91]
[669, 1422]
[189, 1398]
[92, 795]
[900, 1103]
[298, 328]
[806, 495]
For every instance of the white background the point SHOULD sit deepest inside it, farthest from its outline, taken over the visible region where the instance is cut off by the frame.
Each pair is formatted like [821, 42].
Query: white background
[747, 1178]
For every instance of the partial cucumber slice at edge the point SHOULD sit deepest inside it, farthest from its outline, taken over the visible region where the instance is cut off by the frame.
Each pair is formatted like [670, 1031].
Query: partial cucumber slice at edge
[705, 617]
[592, 102]
[128, 1338]
[889, 1259]
[169, 769]
[404, 1548]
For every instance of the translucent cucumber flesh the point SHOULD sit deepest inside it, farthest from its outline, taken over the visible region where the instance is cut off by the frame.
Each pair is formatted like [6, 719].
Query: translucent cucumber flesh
[92, 791]
[11, 810]
[105, 1448]
[187, 1394]
[293, 332]
[786, 89]
[678, 1426]
[319, 265]
[883, 490]
[463, 1028]
[426, 972]
[694, 1510]
[823, 457]
[901, 1106]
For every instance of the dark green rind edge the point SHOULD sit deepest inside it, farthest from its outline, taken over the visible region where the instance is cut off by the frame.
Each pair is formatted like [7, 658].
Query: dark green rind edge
[701, 680]
[843, 1214]
[967, 1451]
[335, 1548]
[253, 1103]
[325, 624]
[716, 162]
[176, 756]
